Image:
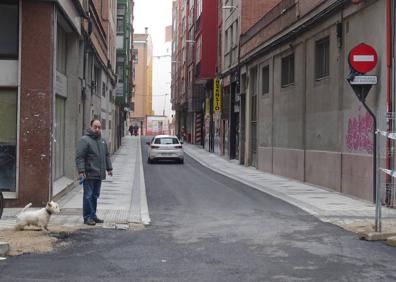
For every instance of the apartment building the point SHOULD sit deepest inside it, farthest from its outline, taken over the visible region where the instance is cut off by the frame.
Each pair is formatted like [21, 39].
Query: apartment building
[141, 101]
[57, 65]
[301, 118]
[286, 107]
[194, 57]
[124, 66]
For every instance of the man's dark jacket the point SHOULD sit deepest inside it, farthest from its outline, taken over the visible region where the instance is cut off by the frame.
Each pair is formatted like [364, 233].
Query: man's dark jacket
[92, 156]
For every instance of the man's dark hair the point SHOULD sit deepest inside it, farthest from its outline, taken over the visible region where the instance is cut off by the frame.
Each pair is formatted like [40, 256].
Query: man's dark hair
[92, 121]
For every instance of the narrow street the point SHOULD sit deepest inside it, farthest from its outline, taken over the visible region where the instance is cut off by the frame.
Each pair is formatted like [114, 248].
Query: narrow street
[206, 227]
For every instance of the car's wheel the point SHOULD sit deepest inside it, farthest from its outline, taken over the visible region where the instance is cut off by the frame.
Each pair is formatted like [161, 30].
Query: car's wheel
[181, 161]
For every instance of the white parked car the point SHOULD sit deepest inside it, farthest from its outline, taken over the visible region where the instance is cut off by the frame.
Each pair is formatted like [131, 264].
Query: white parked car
[165, 147]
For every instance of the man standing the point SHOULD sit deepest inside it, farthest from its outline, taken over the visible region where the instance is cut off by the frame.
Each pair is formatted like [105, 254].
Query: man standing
[92, 161]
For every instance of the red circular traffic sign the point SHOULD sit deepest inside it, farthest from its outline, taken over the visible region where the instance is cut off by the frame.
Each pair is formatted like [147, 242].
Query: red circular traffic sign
[363, 58]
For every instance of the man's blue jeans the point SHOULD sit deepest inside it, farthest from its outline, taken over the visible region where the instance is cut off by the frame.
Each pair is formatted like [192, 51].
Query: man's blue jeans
[90, 197]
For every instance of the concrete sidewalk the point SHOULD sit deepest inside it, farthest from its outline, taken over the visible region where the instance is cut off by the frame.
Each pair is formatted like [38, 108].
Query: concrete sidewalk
[327, 205]
[122, 200]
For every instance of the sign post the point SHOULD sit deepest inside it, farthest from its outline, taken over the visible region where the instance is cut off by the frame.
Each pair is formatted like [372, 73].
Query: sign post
[362, 59]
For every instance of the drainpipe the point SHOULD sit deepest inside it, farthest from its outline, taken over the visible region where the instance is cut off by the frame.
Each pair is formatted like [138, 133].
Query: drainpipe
[389, 57]
[86, 36]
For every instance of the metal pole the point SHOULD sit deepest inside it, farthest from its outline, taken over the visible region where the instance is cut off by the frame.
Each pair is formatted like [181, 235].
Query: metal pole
[376, 190]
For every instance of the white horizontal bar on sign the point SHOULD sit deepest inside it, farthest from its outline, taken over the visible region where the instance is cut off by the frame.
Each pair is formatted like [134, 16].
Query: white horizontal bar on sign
[364, 80]
[389, 172]
[363, 58]
[390, 135]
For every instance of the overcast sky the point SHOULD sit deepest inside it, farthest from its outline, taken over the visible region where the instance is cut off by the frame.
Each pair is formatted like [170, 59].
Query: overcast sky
[156, 15]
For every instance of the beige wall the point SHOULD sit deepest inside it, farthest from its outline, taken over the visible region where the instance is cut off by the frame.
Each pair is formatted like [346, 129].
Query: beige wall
[143, 76]
[316, 130]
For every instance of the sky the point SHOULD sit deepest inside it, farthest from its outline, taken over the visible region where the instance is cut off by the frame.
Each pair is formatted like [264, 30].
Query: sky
[156, 15]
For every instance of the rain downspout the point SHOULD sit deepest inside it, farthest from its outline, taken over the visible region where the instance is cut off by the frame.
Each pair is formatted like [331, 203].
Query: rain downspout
[389, 108]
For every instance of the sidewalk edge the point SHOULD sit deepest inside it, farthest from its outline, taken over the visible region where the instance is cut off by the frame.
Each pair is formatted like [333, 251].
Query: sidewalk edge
[144, 211]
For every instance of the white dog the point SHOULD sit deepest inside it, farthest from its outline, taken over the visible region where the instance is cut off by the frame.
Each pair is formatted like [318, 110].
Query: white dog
[39, 218]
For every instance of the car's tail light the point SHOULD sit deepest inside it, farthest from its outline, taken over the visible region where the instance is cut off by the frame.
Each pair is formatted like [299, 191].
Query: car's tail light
[154, 147]
[178, 147]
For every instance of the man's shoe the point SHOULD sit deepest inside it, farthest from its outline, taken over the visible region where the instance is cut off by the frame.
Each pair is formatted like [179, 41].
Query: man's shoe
[98, 220]
[89, 221]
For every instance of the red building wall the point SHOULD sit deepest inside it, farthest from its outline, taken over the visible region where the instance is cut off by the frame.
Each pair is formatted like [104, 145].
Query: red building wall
[36, 99]
[208, 30]
[253, 10]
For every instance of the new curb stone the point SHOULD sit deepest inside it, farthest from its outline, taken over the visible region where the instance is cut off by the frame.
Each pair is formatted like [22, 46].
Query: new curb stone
[376, 236]
[4, 248]
[391, 241]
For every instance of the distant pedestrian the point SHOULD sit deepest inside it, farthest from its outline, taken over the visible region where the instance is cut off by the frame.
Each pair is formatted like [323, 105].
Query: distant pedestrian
[136, 130]
[130, 129]
[92, 161]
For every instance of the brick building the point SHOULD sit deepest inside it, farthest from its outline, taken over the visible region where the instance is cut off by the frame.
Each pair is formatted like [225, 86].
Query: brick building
[57, 72]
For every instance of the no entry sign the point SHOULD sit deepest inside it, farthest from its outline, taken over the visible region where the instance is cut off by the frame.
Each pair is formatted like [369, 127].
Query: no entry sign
[363, 58]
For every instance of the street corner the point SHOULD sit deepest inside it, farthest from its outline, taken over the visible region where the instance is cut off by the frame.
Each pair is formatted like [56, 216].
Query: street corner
[365, 230]
[358, 227]
[33, 240]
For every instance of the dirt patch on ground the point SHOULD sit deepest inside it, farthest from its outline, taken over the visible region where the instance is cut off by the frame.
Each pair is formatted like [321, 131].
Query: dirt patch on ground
[358, 227]
[365, 226]
[136, 226]
[32, 240]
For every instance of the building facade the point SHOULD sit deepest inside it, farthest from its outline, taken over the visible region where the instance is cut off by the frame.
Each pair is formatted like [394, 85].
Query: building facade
[143, 76]
[302, 119]
[124, 66]
[286, 107]
[57, 68]
[194, 57]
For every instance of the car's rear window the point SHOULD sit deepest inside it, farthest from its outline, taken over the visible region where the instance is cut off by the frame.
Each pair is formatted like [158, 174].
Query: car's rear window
[166, 141]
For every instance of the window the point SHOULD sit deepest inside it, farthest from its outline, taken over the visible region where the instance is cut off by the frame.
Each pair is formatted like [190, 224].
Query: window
[253, 92]
[231, 36]
[96, 87]
[120, 71]
[287, 70]
[265, 79]
[120, 25]
[9, 36]
[198, 50]
[59, 136]
[8, 138]
[135, 56]
[61, 43]
[120, 10]
[103, 89]
[226, 48]
[322, 56]
[166, 141]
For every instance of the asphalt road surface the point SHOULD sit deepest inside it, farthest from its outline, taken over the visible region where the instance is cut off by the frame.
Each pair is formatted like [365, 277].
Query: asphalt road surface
[206, 227]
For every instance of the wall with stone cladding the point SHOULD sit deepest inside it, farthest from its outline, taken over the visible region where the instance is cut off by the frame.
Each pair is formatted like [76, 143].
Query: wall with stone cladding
[36, 103]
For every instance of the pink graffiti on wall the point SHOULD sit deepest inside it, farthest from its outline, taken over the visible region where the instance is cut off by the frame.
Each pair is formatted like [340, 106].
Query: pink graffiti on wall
[360, 132]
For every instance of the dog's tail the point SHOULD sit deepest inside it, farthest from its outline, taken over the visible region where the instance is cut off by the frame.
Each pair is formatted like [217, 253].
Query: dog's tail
[26, 207]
